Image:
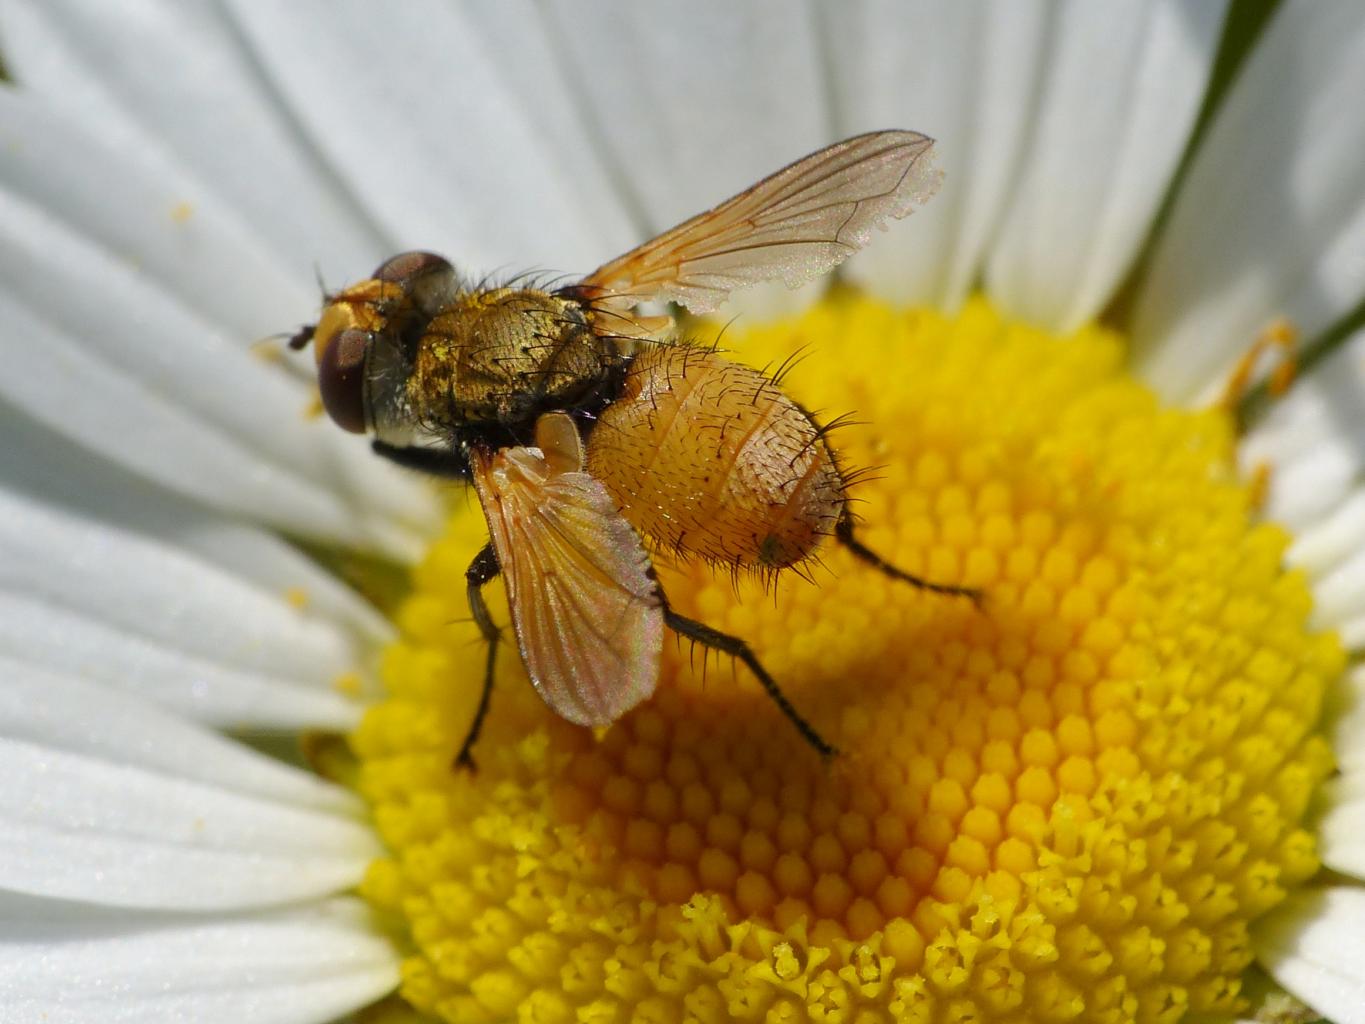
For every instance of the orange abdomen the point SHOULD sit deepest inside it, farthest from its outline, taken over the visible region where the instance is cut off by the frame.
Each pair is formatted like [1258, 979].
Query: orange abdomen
[710, 458]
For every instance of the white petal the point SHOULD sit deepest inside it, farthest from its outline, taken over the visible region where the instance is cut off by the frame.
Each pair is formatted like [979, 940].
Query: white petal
[305, 965]
[1313, 945]
[963, 73]
[173, 79]
[162, 392]
[45, 636]
[1348, 726]
[696, 112]
[1333, 552]
[1124, 82]
[1307, 487]
[46, 469]
[82, 827]
[1334, 538]
[534, 69]
[1341, 832]
[695, 109]
[147, 585]
[158, 223]
[1271, 219]
[61, 712]
[428, 122]
[1339, 601]
[1313, 441]
[124, 600]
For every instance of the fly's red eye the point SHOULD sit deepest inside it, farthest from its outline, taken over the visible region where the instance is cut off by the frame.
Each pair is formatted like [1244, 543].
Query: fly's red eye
[401, 268]
[341, 379]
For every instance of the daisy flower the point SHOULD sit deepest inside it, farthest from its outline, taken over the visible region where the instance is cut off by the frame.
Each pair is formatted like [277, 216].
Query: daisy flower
[1127, 789]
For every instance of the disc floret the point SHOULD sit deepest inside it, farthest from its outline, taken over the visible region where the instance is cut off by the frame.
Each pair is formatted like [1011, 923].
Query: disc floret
[1069, 803]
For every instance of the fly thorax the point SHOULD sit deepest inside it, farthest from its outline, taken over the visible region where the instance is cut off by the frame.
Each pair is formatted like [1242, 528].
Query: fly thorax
[503, 356]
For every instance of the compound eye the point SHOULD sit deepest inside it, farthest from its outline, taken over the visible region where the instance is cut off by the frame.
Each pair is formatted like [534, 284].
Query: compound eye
[403, 267]
[341, 379]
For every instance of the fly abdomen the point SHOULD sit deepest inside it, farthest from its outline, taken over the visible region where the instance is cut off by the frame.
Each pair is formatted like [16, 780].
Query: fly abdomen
[710, 458]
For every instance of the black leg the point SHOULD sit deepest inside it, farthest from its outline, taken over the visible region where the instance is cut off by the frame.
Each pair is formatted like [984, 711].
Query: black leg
[737, 648]
[480, 571]
[844, 534]
[451, 463]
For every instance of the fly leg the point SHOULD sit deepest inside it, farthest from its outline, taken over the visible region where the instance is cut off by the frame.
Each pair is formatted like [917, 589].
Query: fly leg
[843, 533]
[451, 463]
[737, 648]
[480, 571]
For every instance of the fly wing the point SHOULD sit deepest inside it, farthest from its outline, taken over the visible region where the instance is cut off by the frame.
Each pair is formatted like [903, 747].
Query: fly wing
[792, 226]
[584, 605]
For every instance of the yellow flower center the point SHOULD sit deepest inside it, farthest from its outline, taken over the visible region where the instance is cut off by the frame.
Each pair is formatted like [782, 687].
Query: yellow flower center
[1066, 805]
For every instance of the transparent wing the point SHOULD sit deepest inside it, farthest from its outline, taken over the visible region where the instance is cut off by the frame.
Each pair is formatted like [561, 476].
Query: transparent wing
[585, 610]
[792, 226]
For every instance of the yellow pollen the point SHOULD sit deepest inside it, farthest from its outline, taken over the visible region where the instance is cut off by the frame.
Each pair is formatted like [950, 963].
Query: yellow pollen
[1068, 805]
[348, 684]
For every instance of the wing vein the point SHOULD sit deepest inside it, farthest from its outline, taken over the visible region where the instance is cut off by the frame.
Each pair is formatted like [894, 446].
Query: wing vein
[794, 225]
[578, 585]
